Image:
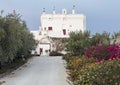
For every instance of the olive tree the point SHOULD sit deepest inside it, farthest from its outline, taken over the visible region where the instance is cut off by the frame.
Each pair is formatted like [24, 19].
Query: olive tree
[78, 41]
[15, 38]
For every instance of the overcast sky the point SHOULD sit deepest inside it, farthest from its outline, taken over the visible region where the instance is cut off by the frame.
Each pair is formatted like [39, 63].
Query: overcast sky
[101, 15]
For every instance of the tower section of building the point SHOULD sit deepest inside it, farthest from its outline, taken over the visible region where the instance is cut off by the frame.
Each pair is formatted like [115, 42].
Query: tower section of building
[60, 25]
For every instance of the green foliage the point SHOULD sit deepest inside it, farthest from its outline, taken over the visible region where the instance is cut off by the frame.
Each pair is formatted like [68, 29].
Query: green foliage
[105, 73]
[68, 57]
[86, 71]
[78, 41]
[116, 35]
[14, 65]
[77, 63]
[15, 39]
[100, 39]
[55, 53]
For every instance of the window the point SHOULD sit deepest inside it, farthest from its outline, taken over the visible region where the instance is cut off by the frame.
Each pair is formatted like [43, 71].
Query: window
[64, 31]
[49, 28]
[44, 28]
[41, 50]
[40, 33]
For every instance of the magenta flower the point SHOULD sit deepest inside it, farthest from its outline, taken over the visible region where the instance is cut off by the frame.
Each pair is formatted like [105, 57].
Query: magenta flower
[99, 59]
[108, 52]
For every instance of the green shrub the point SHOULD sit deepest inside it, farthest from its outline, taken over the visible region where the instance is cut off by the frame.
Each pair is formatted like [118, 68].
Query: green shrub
[77, 63]
[78, 41]
[86, 71]
[67, 57]
[104, 73]
[14, 65]
[55, 53]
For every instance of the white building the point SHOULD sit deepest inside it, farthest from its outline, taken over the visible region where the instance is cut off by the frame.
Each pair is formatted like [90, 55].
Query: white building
[57, 26]
[44, 43]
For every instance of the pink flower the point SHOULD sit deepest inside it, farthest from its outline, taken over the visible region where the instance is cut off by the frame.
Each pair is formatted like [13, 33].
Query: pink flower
[108, 52]
[99, 59]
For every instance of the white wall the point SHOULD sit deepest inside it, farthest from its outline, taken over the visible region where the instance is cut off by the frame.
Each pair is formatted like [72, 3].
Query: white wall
[45, 47]
[58, 22]
[37, 35]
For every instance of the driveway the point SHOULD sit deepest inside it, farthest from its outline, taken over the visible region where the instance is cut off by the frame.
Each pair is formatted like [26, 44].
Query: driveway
[39, 71]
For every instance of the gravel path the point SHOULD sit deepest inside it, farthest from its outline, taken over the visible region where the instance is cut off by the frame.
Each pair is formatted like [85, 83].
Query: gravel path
[39, 71]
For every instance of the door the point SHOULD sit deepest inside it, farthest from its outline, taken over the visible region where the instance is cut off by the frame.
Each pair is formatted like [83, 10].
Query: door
[41, 51]
[64, 31]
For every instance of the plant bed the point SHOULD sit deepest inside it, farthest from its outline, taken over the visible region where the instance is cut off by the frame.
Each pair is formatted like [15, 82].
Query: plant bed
[86, 71]
[6, 69]
[55, 53]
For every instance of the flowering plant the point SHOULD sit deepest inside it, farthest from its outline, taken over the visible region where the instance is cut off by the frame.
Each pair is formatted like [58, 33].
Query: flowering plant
[105, 52]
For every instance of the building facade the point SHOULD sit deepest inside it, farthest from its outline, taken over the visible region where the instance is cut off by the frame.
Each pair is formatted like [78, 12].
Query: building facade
[55, 27]
[60, 25]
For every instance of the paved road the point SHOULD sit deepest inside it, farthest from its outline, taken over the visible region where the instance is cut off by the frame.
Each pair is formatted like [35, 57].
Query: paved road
[39, 71]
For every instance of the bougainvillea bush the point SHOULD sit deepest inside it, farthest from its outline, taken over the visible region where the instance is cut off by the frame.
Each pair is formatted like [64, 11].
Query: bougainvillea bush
[83, 68]
[105, 52]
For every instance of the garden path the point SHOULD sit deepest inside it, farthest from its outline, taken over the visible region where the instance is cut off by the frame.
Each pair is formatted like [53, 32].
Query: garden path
[39, 71]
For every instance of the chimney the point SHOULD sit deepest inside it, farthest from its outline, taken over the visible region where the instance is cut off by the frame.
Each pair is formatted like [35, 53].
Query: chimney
[43, 10]
[54, 11]
[73, 9]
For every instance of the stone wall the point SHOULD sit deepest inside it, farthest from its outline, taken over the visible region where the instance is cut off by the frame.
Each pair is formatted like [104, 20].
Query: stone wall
[60, 43]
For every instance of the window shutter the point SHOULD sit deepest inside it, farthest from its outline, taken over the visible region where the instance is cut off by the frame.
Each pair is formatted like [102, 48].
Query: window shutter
[49, 28]
[64, 31]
